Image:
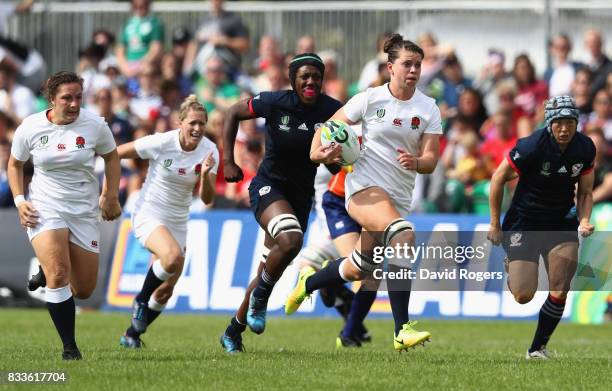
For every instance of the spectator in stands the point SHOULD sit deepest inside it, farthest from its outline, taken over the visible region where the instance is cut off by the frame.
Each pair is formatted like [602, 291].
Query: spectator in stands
[7, 9]
[168, 115]
[142, 39]
[214, 90]
[580, 92]
[30, 65]
[601, 116]
[501, 138]
[182, 43]
[269, 54]
[272, 79]
[6, 126]
[171, 71]
[561, 74]
[371, 71]
[453, 84]
[383, 76]
[470, 107]
[599, 64]
[531, 92]
[306, 44]
[122, 129]
[492, 74]
[147, 102]
[333, 84]
[221, 34]
[16, 101]
[602, 187]
[88, 68]
[433, 60]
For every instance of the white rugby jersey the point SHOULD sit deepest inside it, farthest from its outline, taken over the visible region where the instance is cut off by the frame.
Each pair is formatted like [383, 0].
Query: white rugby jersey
[387, 124]
[172, 174]
[63, 159]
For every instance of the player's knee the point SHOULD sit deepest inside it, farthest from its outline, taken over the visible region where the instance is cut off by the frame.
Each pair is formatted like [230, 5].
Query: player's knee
[399, 230]
[172, 261]
[559, 294]
[290, 244]
[82, 292]
[58, 275]
[523, 297]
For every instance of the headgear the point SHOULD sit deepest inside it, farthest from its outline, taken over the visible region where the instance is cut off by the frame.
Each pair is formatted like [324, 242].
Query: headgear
[557, 107]
[304, 59]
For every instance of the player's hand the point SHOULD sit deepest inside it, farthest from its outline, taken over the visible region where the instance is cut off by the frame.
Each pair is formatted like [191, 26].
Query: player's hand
[327, 154]
[406, 160]
[207, 165]
[495, 235]
[232, 172]
[109, 207]
[28, 216]
[586, 229]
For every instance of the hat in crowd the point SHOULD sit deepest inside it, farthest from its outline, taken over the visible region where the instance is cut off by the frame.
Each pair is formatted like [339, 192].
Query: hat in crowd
[181, 35]
[562, 106]
[304, 59]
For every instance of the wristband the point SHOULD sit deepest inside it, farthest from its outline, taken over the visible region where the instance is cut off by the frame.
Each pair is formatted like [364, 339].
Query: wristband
[19, 200]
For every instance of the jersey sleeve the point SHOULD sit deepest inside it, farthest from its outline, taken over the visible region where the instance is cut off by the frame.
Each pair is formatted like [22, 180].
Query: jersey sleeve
[589, 158]
[521, 156]
[355, 107]
[106, 142]
[262, 104]
[21, 145]
[148, 147]
[434, 126]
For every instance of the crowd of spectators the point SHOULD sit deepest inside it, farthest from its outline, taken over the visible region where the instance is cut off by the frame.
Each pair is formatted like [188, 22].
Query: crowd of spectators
[136, 83]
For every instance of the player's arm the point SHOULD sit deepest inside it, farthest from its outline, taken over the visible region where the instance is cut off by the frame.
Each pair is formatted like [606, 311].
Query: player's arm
[503, 174]
[329, 155]
[28, 217]
[239, 111]
[127, 151]
[207, 180]
[109, 199]
[584, 203]
[604, 190]
[430, 153]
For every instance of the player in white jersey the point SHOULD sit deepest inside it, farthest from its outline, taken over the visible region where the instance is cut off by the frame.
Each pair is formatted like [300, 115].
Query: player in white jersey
[401, 130]
[178, 160]
[61, 215]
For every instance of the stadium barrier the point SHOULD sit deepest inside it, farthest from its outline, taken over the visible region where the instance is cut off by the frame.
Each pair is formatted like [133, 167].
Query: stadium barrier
[224, 251]
[59, 29]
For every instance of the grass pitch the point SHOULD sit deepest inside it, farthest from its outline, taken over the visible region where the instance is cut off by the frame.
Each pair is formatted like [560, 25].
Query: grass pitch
[183, 352]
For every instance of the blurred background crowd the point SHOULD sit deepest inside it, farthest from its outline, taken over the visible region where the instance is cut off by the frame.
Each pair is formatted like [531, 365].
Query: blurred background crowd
[136, 82]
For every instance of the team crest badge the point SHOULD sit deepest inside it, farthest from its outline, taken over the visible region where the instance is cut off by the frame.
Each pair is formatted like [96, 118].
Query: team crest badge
[380, 113]
[515, 239]
[576, 168]
[80, 142]
[284, 123]
[167, 163]
[198, 169]
[415, 122]
[44, 140]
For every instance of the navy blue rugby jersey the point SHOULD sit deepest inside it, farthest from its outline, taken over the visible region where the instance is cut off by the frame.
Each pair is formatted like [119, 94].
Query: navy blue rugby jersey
[290, 126]
[547, 176]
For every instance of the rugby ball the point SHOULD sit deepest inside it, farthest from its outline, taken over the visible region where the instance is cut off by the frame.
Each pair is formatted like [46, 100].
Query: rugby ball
[338, 132]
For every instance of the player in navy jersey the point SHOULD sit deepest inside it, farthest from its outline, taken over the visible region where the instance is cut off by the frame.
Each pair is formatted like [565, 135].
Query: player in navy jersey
[548, 164]
[281, 193]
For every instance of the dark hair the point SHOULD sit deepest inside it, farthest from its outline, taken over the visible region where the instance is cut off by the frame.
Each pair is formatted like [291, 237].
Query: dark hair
[524, 57]
[304, 59]
[54, 82]
[395, 43]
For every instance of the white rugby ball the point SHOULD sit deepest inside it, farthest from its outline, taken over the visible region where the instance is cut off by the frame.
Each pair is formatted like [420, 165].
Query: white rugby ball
[338, 132]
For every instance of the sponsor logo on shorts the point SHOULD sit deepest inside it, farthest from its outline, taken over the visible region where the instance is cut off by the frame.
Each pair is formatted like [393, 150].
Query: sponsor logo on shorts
[61, 147]
[264, 190]
[80, 142]
[515, 239]
[397, 122]
[94, 243]
[576, 168]
[339, 225]
[415, 122]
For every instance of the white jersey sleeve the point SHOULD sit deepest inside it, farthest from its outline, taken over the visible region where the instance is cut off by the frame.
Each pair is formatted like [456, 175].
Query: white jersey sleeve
[355, 108]
[21, 145]
[215, 152]
[434, 126]
[149, 147]
[106, 141]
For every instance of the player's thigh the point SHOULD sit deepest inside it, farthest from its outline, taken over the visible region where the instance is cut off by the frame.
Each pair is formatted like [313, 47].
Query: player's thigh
[165, 246]
[523, 279]
[345, 244]
[84, 271]
[562, 261]
[373, 209]
[52, 250]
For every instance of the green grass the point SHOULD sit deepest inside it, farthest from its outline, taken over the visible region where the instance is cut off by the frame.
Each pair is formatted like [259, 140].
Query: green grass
[183, 352]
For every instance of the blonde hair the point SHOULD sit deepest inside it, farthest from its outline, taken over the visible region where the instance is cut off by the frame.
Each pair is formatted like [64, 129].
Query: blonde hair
[191, 103]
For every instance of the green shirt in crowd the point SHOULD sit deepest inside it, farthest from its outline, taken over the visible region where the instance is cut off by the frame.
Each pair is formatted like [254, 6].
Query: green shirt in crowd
[138, 34]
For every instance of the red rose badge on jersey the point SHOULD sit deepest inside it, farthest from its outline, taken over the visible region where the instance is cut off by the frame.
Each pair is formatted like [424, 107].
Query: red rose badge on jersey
[80, 142]
[198, 169]
[415, 123]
